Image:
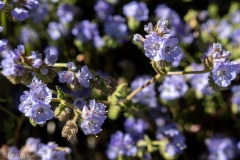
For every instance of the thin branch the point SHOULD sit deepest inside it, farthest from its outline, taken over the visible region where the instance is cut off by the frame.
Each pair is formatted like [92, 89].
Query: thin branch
[67, 104]
[136, 91]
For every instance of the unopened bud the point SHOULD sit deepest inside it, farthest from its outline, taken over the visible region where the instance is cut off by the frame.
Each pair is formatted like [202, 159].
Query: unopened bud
[208, 63]
[62, 114]
[70, 130]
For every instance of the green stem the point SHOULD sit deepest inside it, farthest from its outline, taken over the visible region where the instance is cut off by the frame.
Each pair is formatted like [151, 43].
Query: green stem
[136, 91]
[60, 65]
[3, 22]
[66, 104]
[76, 117]
[9, 113]
[187, 72]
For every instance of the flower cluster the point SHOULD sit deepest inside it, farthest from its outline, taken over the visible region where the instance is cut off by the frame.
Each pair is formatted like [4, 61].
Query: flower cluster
[138, 11]
[159, 45]
[121, 144]
[33, 149]
[223, 70]
[168, 131]
[178, 28]
[116, 28]
[135, 128]
[86, 31]
[20, 9]
[173, 87]
[35, 102]
[221, 147]
[93, 117]
[18, 67]
[200, 81]
[75, 78]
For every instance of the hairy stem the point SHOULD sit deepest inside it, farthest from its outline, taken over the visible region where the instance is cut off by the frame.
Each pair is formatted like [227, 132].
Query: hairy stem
[60, 65]
[156, 77]
[66, 104]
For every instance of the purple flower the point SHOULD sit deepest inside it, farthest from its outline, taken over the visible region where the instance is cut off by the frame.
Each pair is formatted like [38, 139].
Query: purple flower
[219, 55]
[135, 127]
[209, 26]
[31, 145]
[164, 12]
[236, 37]
[91, 126]
[178, 27]
[200, 81]
[176, 146]
[121, 144]
[40, 13]
[170, 50]
[221, 147]
[3, 44]
[147, 96]
[95, 111]
[138, 11]
[32, 4]
[103, 9]
[94, 116]
[71, 66]
[2, 4]
[11, 68]
[235, 18]
[36, 58]
[41, 112]
[85, 31]
[13, 153]
[66, 77]
[152, 46]
[1, 29]
[80, 103]
[173, 87]
[44, 151]
[55, 30]
[26, 104]
[51, 55]
[84, 76]
[159, 48]
[115, 27]
[223, 74]
[28, 35]
[35, 102]
[224, 29]
[41, 95]
[20, 14]
[66, 12]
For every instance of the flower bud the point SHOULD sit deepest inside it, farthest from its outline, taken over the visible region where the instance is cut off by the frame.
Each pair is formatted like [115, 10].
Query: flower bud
[62, 114]
[70, 130]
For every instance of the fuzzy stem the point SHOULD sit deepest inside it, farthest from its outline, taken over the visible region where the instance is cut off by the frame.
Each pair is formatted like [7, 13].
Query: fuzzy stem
[136, 91]
[67, 104]
[76, 116]
[60, 65]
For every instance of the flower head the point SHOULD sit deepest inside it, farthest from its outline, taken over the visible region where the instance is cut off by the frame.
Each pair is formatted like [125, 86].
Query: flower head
[20, 14]
[138, 11]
